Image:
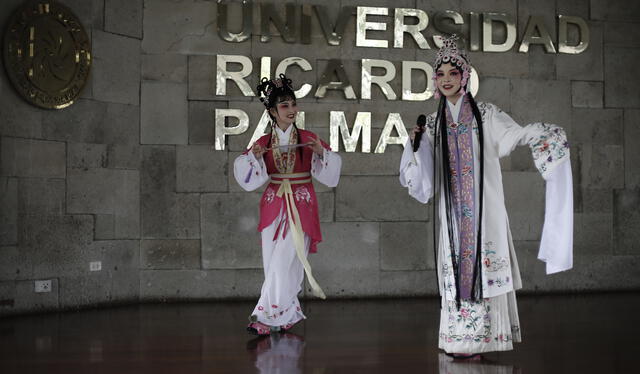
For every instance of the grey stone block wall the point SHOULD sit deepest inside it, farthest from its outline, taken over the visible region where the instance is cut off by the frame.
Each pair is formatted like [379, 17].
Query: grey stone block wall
[127, 175]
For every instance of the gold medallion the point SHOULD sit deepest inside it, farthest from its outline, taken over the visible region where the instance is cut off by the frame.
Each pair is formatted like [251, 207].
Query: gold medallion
[47, 54]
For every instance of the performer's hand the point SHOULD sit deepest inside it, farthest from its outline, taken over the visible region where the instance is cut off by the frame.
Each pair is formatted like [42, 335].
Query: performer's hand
[317, 147]
[414, 131]
[258, 150]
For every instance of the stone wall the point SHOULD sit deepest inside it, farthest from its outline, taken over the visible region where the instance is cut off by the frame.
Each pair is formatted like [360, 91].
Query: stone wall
[127, 175]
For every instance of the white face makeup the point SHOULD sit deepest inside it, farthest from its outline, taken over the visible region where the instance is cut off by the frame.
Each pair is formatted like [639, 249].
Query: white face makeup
[285, 112]
[448, 80]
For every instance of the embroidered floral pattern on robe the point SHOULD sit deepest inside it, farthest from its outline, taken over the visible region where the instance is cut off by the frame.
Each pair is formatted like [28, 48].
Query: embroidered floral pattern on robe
[460, 143]
[472, 323]
[302, 194]
[272, 313]
[284, 161]
[498, 282]
[549, 147]
[269, 195]
[491, 261]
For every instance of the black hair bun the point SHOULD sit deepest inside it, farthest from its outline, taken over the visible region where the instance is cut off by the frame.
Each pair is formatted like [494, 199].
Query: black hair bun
[270, 90]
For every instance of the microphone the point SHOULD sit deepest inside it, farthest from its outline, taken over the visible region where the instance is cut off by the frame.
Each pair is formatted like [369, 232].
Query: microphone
[422, 122]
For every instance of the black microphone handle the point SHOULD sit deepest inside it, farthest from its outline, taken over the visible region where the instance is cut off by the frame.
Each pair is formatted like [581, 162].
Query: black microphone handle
[416, 140]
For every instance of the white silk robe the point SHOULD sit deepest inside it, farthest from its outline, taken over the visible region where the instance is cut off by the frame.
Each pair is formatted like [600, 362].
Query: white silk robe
[492, 324]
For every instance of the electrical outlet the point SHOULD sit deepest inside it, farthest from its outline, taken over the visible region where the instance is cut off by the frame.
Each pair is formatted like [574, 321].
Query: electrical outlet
[95, 265]
[42, 286]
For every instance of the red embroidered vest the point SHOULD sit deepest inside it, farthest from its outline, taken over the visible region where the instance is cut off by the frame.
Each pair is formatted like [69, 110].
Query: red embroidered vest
[304, 194]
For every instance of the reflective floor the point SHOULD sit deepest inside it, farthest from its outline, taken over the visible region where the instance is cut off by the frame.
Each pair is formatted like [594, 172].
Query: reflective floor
[598, 333]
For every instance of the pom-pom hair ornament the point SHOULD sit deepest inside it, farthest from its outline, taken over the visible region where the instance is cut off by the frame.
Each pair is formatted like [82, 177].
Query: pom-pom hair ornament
[450, 53]
[271, 90]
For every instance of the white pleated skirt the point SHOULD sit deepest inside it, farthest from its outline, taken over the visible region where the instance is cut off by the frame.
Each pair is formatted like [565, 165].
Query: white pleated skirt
[283, 275]
[484, 326]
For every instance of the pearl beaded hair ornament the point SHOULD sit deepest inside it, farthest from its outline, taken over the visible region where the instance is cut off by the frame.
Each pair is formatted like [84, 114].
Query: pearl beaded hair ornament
[271, 90]
[450, 53]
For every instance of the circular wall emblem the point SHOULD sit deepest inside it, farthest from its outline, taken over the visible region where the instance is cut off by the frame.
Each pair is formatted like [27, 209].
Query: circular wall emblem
[47, 54]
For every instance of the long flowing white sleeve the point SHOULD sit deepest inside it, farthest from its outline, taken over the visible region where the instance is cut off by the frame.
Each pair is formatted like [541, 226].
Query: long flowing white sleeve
[556, 245]
[416, 170]
[548, 142]
[326, 168]
[551, 154]
[249, 172]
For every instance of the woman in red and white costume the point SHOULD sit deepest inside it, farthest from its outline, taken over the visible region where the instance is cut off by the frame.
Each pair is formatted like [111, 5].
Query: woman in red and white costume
[287, 157]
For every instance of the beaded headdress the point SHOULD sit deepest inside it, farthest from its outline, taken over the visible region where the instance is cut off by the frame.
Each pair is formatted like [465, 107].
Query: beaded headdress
[269, 90]
[450, 53]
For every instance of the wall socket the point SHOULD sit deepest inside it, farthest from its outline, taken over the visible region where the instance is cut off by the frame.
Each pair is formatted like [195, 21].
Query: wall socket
[42, 286]
[95, 265]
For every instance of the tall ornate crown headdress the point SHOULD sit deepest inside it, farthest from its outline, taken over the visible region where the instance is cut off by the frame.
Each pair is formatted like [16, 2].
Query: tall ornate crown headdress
[450, 53]
[267, 88]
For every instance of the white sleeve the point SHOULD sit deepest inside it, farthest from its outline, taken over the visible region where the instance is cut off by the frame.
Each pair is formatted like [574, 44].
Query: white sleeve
[548, 142]
[249, 172]
[326, 168]
[416, 170]
[506, 133]
[556, 245]
[551, 155]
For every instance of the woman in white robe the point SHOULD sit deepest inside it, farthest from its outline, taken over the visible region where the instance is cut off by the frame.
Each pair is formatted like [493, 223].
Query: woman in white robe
[290, 228]
[477, 269]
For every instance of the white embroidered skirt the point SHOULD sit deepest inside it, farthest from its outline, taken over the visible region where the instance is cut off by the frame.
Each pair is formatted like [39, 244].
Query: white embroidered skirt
[484, 326]
[283, 273]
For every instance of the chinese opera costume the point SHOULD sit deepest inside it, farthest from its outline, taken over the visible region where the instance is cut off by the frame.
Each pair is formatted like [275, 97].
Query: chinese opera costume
[289, 222]
[457, 161]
